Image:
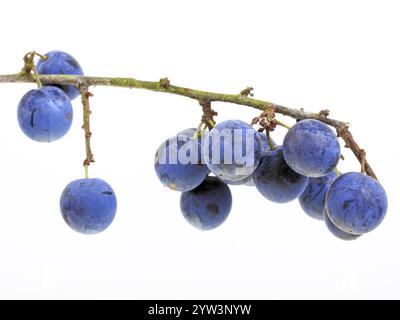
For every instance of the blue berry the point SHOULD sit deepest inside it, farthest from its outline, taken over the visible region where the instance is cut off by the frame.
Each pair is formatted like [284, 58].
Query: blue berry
[247, 181]
[356, 203]
[336, 231]
[232, 150]
[45, 114]
[311, 148]
[275, 180]
[207, 206]
[59, 62]
[312, 200]
[178, 163]
[187, 132]
[88, 205]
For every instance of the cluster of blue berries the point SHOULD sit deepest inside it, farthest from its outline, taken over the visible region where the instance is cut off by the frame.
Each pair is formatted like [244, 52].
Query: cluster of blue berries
[45, 115]
[201, 165]
[304, 167]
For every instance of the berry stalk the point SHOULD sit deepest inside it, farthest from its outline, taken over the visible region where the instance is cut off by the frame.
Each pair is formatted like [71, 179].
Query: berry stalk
[85, 94]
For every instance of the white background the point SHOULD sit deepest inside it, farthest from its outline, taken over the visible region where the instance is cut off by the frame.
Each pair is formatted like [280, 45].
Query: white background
[341, 55]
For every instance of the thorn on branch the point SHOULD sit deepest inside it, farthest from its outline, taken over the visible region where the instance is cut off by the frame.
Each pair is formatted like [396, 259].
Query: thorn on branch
[164, 83]
[87, 161]
[247, 92]
[84, 91]
[324, 113]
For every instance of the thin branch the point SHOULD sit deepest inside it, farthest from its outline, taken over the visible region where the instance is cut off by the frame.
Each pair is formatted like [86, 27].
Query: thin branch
[164, 86]
[346, 135]
[85, 94]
